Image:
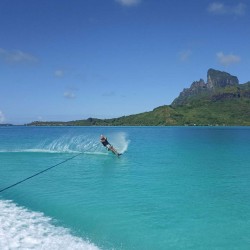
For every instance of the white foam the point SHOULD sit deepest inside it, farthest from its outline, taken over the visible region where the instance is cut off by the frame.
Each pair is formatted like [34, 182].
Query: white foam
[34, 150]
[38, 150]
[95, 153]
[24, 229]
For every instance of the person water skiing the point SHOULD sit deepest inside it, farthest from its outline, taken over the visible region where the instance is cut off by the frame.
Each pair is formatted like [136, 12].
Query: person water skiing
[106, 144]
[104, 141]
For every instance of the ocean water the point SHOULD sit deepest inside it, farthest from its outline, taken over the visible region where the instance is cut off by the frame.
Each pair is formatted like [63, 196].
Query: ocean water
[173, 188]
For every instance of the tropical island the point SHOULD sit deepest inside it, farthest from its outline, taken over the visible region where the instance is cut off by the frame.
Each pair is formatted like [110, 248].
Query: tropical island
[220, 101]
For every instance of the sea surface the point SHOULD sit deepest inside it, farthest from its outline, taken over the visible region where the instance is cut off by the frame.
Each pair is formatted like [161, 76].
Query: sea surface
[173, 188]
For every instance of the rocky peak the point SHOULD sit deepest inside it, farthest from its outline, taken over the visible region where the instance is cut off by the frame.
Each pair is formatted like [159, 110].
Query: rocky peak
[195, 88]
[220, 79]
[215, 80]
[198, 84]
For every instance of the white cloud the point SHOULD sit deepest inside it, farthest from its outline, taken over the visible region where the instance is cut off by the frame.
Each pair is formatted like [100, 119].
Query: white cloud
[185, 55]
[109, 94]
[227, 60]
[17, 56]
[2, 117]
[59, 73]
[240, 9]
[128, 2]
[69, 95]
[216, 8]
[219, 8]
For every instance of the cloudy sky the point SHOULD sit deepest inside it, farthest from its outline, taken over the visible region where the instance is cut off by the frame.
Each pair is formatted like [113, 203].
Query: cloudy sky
[67, 60]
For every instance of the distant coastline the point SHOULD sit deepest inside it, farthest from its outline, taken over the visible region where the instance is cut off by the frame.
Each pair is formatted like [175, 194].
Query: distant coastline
[221, 101]
[6, 124]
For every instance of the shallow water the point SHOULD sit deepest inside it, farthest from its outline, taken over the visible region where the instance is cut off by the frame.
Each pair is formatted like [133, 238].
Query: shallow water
[173, 188]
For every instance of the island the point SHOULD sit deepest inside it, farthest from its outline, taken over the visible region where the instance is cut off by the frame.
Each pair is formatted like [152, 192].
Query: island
[220, 101]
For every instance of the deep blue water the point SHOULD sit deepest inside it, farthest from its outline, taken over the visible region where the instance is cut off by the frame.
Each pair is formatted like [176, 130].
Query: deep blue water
[173, 188]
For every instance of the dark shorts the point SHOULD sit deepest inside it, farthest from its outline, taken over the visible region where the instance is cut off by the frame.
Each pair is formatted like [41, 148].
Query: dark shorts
[105, 143]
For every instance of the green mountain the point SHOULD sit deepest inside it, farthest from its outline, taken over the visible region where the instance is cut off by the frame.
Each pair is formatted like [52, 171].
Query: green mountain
[219, 101]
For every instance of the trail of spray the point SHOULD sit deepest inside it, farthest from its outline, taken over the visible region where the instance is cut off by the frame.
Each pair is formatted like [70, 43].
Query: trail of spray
[84, 143]
[76, 144]
[67, 143]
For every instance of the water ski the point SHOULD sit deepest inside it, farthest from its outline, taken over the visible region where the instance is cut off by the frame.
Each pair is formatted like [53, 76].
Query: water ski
[114, 151]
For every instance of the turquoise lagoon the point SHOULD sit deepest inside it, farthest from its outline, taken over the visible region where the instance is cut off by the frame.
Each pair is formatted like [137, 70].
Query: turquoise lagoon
[173, 188]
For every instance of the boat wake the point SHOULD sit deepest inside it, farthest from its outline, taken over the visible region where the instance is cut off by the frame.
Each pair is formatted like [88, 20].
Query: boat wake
[24, 229]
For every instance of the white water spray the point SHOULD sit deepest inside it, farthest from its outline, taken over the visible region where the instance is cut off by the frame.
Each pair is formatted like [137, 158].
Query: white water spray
[119, 141]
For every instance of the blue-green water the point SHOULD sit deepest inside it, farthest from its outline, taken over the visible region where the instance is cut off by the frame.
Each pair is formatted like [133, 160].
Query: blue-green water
[173, 188]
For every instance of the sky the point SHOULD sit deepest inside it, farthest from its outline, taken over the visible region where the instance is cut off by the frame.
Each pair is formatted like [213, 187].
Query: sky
[63, 60]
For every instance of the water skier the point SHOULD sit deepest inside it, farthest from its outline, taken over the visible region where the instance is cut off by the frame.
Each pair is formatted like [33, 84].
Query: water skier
[106, 144]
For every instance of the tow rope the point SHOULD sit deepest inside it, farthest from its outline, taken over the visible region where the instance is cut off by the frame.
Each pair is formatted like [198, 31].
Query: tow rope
[47, 169]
